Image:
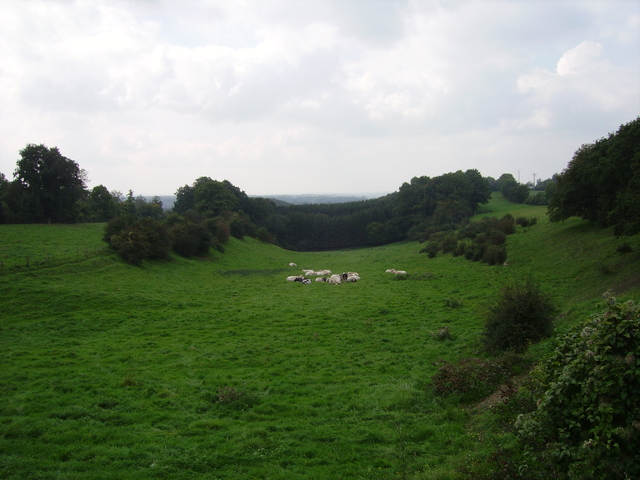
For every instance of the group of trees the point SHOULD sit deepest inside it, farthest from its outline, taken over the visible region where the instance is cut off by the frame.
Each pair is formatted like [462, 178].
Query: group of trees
[51, 188]
[602, 182]
[416, 206]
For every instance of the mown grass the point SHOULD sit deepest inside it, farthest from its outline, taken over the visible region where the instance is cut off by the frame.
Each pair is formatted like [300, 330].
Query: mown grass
[219, 368]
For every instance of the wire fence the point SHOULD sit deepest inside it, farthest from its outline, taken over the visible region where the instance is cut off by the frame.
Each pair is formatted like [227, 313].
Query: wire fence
[14, 264]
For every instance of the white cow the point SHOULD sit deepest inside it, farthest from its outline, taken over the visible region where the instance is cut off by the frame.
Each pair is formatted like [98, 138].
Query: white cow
[334, 279]
[294, 278]
[292, 264]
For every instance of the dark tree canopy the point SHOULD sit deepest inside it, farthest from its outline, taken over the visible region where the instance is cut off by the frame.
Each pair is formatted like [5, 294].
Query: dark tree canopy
[51, 184]
[602, 182]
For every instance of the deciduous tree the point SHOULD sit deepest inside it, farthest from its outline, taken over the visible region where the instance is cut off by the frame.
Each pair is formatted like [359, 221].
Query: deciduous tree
[51, 184]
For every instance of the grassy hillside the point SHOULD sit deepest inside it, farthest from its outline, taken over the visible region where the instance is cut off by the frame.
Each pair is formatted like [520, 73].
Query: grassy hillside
[218, 368]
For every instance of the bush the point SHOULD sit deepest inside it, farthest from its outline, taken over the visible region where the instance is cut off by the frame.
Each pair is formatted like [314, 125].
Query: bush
[137, 240]
[443, 333]
[521, 315]
[587, 424]
[453, 302]
[218, 228]
[431, 248]
[526, 222]
[264, 236]
[624, 248]
[190, 239]
[507, 225]
[470, 378]
[449, 244]
[495, 255]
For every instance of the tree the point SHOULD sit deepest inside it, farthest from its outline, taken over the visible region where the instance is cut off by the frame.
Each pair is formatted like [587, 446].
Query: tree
[211, 198]
[481, 190]
[185, 200]
[51, 184]
[504, 178]
[102, 205]
[601, 182]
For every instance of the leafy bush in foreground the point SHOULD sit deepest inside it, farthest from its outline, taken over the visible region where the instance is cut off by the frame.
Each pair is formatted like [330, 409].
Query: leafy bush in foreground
[521, 315]
[587, 425]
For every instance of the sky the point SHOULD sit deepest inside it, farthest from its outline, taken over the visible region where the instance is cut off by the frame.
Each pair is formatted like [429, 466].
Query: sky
[313, 96]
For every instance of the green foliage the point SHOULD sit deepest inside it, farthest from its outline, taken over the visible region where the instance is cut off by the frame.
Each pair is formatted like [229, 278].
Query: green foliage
[587, 425]
[526, 222]
[538, 198]
[495, 255]
[481, 240]
[624, 248]
[102, 207]
[136, 240]
[218, 229]
[189, 239]
[601, 183]
[470, 379]
[263, 235]
[522, 314]
[48, 186]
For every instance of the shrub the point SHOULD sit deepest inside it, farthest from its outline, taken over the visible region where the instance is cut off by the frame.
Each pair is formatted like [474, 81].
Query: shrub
[218, 228]
[506, 225]
[431, 248]
[526, 222]
[470, 378]
[460, 248]
[453, 302]
[624, 248]
[495, 255]
[470, 251]
[190, 239]
[449, 244]
[137, 240]
[263, 235]
[522, 314]
[587, 424]
[131, 245]
[443, 333]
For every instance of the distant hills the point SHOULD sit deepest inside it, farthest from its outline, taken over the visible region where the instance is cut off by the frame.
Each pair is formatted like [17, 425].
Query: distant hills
[168, 200]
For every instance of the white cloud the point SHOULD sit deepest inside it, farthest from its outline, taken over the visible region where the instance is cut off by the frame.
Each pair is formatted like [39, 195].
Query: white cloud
[151, 95]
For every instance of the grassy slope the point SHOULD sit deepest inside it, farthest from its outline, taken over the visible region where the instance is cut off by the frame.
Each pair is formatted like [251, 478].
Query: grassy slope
[110, 371]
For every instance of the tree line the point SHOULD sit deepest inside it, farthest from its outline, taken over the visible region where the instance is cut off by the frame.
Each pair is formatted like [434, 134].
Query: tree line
[601, 183]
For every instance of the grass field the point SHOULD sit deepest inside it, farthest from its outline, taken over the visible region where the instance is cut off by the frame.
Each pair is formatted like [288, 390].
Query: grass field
[217, 367]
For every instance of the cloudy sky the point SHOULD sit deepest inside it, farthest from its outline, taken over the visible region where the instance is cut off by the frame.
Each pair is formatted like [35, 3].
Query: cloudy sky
[313, 96]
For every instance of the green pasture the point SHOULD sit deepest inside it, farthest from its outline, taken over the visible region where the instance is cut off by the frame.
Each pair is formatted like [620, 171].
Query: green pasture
[217, 368]
[35, 245]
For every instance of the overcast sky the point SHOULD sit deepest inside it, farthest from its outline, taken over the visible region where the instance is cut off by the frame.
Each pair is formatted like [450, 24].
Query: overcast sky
[313, 96]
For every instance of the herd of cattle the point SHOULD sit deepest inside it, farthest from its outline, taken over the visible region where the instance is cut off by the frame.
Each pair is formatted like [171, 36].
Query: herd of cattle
[331, 278]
